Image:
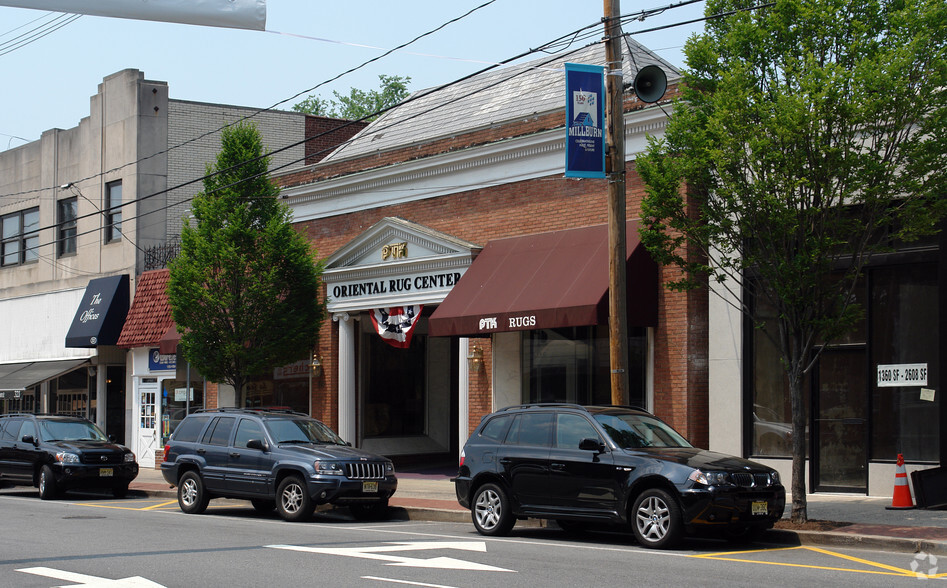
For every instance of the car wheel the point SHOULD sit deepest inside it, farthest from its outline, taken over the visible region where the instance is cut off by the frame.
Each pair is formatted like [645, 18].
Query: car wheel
[47, 483]
[292, 499]
[192, 496]
[491, 511]
[656, 519]
[377, 511]
[263, 505]
[120, 491]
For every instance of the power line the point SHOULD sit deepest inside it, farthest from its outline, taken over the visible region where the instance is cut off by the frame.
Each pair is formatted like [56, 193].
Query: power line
[570, 36]
[38, 33]
[272, 107]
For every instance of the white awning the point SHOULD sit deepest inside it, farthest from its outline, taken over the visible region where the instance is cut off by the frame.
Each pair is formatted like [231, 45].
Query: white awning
[23, 375]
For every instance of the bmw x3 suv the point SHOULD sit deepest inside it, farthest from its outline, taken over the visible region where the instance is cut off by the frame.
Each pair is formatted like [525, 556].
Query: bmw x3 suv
[583, 465]
[275, 459]
[59, 453]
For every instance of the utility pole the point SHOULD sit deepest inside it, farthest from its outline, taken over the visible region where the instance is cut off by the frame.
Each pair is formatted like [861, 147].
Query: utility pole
[615, 173]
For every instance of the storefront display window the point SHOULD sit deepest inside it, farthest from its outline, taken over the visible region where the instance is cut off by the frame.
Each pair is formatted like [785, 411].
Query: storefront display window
[287, 388]
[572, 365]
[858, 417]
[69, 394]
[177, 401]
[18, 400]
[904, 304]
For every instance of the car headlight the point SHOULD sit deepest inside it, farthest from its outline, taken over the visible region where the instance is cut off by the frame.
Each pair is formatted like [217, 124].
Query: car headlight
[774, 478]
[129, 457]
[389, 469]
[329, 468]
[710, 478]
[65, 457]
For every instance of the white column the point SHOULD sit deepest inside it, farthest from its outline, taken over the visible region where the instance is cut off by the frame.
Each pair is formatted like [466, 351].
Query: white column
[463, 391]
[347, 426]
[101, 396]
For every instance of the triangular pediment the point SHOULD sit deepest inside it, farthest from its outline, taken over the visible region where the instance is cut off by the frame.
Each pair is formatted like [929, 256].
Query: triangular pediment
[393, 239]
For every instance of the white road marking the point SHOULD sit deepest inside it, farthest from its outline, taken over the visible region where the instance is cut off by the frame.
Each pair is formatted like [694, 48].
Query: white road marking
[395, 581]
[91, 581]
[382, 553]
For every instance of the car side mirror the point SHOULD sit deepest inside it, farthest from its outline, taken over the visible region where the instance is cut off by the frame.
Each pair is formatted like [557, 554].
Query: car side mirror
[256, 444]
[113, 439]
[592, 445]
[29, 439]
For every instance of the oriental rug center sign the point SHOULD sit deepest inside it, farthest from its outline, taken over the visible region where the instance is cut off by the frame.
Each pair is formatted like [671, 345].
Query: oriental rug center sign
[417, 283]
[409, 288]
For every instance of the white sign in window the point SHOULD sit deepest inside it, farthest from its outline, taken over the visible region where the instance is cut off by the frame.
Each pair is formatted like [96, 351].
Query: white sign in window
[902, 374]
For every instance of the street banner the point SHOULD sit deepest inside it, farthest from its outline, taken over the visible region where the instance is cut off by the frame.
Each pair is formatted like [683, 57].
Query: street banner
[396, 324]
[585, 121]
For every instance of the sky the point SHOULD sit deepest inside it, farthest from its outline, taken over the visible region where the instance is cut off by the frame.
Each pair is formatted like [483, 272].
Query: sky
[47, 83]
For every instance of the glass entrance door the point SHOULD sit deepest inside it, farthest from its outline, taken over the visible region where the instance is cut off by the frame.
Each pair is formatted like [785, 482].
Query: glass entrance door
[841, 421]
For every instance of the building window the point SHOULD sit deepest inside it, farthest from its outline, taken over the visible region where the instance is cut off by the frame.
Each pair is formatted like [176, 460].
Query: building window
[572, 365]
[20, 237]
[113, 211]
[66, 243]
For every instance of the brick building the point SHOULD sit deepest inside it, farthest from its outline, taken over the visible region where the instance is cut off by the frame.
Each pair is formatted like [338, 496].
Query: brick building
[421, 210]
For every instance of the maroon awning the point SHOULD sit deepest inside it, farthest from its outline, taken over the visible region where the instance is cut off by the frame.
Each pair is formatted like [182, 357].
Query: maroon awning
[169, 341]
[545, 281]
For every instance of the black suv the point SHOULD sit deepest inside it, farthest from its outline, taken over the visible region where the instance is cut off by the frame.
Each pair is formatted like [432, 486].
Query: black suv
[607, 464]
[274, 458]
[58, 453]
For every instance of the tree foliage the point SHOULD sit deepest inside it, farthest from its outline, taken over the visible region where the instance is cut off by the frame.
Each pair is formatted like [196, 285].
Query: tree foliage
[810, 135]
[359, 104]
[244, 289]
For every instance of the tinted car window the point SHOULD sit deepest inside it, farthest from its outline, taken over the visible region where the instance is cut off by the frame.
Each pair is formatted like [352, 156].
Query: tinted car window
[531, 429]
[496, 428]
[190, 428]
[246, 430]
[291, 430]
[28, 428]
[571, 429]
[10, 429]
[55, 430]
[632, 431]
[219, 432]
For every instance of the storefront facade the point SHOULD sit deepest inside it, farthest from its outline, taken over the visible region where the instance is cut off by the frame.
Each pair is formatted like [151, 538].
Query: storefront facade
[491, 192]
[873, 394]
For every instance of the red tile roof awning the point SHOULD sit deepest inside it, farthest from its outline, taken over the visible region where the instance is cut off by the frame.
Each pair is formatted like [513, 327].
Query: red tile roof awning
[545, 281]
[150, 314]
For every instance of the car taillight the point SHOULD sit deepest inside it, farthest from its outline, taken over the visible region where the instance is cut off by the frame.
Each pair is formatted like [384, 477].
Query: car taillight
[167, 449]
[461, 458]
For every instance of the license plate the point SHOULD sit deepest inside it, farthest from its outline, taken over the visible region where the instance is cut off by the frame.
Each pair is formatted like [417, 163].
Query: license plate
[105, 472]
[370, 487]
[759, 507]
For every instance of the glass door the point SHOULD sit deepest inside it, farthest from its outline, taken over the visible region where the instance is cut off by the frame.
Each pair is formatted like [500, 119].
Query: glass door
[841, 421]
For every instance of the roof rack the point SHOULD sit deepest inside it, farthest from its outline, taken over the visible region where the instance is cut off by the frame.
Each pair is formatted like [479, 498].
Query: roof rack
[250, 410]
[543, 405]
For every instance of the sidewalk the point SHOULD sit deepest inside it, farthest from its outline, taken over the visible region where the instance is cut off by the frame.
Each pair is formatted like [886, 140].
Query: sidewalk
[840, 520]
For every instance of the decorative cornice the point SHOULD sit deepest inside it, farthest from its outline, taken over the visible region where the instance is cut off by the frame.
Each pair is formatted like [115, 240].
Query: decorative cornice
[501, 162]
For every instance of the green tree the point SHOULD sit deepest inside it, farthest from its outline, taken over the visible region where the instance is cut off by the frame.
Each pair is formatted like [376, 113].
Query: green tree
[244, 289]
[810, 134]
[359, 104]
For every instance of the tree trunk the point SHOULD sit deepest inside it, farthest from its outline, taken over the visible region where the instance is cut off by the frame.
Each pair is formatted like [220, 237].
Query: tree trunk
[798, 488]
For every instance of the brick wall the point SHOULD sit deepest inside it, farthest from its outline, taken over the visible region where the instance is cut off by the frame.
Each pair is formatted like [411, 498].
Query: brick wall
[194, 126]
[326, 134]
[545, 204]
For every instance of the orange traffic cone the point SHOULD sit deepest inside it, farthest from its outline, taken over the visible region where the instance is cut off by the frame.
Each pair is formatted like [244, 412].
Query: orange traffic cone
[902, 492]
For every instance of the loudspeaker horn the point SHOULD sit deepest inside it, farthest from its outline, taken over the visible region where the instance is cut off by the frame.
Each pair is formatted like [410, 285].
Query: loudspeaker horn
[650, 83]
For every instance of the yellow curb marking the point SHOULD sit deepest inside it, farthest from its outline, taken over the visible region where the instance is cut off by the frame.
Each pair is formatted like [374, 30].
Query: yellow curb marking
[154, 506]
[890, 570]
